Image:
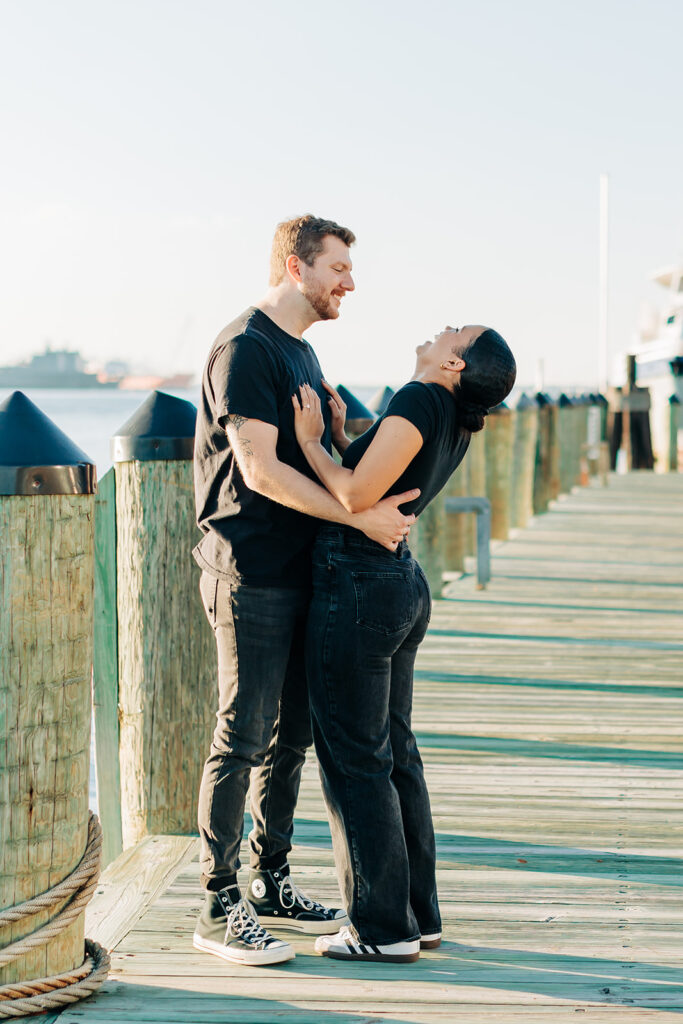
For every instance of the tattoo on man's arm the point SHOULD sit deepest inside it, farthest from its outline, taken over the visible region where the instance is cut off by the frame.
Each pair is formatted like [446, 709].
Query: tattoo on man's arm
[238, 422]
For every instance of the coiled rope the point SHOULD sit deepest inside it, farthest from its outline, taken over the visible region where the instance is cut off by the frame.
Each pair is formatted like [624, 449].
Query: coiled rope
[22, 998]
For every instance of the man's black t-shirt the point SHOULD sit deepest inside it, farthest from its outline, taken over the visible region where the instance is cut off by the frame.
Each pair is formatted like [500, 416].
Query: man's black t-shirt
[253, 370]
[434, 412]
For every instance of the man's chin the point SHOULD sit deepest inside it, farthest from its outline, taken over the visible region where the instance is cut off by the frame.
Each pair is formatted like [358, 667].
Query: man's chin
[328, 313]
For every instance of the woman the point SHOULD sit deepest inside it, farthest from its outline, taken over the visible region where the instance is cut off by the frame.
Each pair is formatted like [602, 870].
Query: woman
[369, 613]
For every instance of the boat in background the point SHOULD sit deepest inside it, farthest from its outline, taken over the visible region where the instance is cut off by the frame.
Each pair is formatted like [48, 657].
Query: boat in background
[53, 368]
[63, 368]
[658, 348]
[150, 382]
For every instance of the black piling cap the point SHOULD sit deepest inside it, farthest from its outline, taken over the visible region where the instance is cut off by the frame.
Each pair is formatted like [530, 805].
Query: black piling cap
[36, 457]
[543, 399]
[564, 401]
[358, 416]
[161, 429]
[380, 400]
[524, 402]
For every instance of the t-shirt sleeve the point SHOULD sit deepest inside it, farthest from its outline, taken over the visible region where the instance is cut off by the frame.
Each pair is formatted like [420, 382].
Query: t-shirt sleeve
[415, 403]
[244, 379]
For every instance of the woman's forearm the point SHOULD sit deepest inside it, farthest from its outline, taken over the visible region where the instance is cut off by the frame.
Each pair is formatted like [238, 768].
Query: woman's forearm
[337, 479]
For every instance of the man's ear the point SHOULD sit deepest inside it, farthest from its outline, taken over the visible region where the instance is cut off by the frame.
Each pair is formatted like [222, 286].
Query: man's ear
[292, 267]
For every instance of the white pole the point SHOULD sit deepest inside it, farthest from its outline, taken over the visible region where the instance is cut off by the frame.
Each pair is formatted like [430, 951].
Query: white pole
[603, 353]
[540, 375]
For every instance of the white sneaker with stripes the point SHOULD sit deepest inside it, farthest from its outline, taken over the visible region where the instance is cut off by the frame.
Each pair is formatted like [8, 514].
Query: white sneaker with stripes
[345, 945]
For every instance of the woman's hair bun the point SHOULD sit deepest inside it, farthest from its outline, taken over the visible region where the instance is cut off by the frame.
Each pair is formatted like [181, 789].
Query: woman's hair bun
[472, 415]
[486, 380]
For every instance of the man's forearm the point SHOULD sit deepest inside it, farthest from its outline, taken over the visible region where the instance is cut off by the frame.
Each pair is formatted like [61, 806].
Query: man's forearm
[286, 486]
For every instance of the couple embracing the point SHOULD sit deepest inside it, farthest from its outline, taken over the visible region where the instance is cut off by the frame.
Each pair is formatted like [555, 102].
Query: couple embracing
[318, 609]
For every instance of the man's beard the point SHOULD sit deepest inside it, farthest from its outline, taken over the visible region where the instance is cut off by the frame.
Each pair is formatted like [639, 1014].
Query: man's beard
[321, 302]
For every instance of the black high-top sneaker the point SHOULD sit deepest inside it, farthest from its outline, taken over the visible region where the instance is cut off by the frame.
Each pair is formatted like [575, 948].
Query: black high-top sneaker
[277, 901]
[228, 927]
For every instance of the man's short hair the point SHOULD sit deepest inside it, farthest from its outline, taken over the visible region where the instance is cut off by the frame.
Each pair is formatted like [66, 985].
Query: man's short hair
[303, 237]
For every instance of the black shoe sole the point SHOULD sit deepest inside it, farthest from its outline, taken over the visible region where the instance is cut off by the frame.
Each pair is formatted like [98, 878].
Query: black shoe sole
[382, 958]
[432, 944]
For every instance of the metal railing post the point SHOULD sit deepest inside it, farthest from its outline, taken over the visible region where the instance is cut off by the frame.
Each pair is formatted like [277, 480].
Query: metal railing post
[482, 508]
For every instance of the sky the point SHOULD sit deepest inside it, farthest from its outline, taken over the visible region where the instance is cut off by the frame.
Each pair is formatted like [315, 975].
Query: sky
[149, 148]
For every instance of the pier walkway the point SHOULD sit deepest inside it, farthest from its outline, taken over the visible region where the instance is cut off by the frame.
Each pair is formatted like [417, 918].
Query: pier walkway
[549, 710]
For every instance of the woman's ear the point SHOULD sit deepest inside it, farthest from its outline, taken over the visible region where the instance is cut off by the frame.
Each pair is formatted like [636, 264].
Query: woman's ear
[457, 365]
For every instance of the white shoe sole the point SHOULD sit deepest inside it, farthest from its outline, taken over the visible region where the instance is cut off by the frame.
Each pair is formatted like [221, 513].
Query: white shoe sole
[259, 958]
[310, 927]
[430, 941]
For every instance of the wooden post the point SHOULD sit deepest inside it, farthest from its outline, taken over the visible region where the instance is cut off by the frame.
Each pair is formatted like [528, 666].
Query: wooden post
[475, 469]
[542, 468]
[567, 442]
[455, 531]
[166, 656]
[581, 441]
[426, 542]
[46, 646]
[524, 462]
[499, 434]
[106, 671]
[674, 416]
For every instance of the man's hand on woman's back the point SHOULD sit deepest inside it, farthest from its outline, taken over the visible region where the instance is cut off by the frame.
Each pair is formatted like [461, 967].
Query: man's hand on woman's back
[384, 522]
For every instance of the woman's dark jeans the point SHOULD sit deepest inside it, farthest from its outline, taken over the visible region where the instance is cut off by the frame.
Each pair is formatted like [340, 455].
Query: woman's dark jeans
[369, 613]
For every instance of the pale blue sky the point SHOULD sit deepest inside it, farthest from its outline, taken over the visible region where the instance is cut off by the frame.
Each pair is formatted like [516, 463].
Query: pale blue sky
[149, 148]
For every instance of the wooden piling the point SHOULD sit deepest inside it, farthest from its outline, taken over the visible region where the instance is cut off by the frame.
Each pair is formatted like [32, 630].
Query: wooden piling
[106, 671]
[475, 469]
[524, 462]
[542, 470]
[455, 535]
[46, 646]
[166, 655]
[426, 543]
[499, 434]
[567, 434]
[674, 419]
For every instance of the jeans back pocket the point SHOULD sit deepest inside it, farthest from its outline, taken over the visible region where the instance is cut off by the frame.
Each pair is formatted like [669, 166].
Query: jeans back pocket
[385, 601]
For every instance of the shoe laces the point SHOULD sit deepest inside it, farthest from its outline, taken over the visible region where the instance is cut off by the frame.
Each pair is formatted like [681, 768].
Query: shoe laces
[243, 924]
[290, 895]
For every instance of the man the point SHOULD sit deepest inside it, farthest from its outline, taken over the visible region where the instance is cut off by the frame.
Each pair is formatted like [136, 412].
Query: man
[257, 505]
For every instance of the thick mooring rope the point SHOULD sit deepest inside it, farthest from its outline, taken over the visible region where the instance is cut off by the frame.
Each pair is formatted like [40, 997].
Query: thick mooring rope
[22, 998]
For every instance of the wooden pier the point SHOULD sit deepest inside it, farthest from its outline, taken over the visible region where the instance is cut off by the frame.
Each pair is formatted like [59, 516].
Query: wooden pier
[549, 712]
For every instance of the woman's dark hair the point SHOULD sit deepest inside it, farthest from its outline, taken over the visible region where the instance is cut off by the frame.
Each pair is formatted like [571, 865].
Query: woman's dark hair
[487, 380]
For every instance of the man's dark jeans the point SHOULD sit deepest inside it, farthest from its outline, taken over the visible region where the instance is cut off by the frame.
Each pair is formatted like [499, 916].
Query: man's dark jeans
[263, 727]
[369, 613]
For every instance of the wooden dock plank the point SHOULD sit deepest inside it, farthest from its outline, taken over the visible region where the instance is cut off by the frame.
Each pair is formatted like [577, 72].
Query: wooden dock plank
[548, 709]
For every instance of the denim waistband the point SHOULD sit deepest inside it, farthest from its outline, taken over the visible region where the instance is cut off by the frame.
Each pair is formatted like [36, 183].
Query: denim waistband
[346, 538]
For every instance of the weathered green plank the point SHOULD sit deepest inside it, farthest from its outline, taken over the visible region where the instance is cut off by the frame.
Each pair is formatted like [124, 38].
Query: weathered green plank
[106, 671]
